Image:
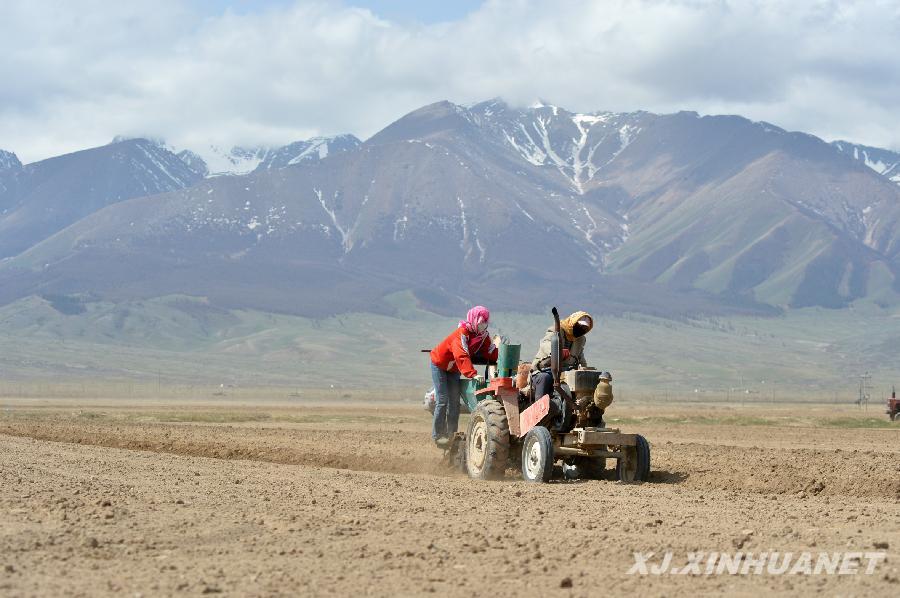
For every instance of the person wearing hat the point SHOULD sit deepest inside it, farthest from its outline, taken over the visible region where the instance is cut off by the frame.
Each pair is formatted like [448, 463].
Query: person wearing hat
[571, 349]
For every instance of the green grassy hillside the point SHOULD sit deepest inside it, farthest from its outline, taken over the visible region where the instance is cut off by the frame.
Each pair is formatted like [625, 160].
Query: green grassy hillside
[811, 352]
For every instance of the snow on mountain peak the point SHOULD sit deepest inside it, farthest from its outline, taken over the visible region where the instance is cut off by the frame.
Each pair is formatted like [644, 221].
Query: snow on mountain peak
[884, 162]
[542, 104]
[217, 161]
[154, 141]
[9, 161]
[156, 148]
[576, 144]
[316, 148]
[194, 162]
[235, 161]
[243, 160]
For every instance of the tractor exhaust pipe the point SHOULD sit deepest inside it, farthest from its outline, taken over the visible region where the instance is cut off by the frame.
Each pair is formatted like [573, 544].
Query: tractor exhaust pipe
[556, 362]
[555, 357]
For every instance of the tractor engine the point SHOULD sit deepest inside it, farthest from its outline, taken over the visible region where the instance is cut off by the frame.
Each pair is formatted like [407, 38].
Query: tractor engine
[592, 392]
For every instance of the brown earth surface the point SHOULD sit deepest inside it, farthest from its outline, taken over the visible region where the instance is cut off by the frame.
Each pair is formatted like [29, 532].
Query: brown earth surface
[129, 498]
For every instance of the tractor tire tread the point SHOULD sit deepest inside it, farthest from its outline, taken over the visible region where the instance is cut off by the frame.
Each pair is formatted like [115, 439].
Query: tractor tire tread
[494, 416]
[642, 454]
[539, 434]
[497, 421]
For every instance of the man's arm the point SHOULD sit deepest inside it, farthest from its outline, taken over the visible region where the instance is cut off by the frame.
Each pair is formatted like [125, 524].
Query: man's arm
[543, 350]
[578, 351]
[582, 362]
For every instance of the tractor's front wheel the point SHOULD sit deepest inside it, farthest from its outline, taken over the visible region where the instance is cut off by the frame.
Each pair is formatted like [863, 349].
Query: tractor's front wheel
[537, 455]
[635, 464]
[895, 416]
[487, 441]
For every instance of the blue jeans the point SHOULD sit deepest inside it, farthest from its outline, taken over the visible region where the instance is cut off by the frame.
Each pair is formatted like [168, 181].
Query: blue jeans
[446, 403]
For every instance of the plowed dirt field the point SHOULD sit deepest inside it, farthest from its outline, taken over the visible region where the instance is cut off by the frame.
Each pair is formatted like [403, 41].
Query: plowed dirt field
[131, 498]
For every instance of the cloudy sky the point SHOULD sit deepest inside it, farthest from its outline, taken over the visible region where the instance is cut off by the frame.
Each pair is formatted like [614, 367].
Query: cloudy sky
[198, 72]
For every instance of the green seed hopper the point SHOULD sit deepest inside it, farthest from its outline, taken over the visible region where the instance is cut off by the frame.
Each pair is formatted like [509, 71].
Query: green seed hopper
[507, 364]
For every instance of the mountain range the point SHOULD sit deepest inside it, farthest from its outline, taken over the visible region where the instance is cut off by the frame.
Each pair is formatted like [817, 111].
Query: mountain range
[516, 208]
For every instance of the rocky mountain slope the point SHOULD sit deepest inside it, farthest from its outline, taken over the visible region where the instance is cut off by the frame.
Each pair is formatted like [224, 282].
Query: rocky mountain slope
[511, 207]
[42, 198]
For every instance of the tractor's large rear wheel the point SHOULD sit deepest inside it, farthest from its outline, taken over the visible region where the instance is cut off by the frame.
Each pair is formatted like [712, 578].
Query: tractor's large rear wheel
[635, 466]
[537, 455]
[487, 441]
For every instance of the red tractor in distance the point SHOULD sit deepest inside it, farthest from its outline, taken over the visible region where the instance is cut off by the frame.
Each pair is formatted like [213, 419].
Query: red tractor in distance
[893, 406]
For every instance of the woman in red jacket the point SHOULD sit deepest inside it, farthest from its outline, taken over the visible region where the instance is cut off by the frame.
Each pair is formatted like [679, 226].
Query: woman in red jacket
[453, 356]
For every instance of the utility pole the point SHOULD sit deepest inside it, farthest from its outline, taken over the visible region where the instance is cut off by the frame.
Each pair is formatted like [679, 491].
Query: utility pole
[865, 385]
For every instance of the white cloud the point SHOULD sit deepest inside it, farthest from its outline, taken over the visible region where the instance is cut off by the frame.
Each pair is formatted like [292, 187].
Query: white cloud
[77, 73]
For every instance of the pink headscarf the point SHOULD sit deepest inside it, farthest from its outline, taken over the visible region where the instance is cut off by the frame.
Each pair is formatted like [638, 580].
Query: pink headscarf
[474, 317]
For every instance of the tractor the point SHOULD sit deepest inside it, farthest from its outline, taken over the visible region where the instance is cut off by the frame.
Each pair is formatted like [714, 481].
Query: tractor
[893, 406]
[511, 428]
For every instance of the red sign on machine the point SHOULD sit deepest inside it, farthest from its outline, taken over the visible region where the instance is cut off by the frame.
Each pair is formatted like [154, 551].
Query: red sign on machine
[534, 414]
